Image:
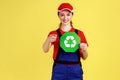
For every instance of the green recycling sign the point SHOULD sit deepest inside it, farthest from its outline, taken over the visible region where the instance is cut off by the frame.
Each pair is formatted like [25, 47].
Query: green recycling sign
[69, 42]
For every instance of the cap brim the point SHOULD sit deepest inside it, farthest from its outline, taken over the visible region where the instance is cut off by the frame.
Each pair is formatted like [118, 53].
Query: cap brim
[65, 9]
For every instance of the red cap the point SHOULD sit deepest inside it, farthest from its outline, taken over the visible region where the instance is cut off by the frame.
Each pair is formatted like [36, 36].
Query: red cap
[65, 6]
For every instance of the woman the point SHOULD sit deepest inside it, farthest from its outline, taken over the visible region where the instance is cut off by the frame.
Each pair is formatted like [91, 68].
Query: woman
[66, 66]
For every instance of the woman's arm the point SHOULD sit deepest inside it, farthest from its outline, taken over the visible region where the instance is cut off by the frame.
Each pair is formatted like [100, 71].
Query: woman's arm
[84, 52]
[48, 42]
[46, 45]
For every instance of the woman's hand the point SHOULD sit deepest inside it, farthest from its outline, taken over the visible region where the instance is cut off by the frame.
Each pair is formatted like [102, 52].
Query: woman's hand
[52, 38]
[83, 46]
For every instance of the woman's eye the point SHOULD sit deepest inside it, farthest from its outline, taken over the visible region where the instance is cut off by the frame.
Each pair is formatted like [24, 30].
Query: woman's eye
[61, 15]
[68, 14]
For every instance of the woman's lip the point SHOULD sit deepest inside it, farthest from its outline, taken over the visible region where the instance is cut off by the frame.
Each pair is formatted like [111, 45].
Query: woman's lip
[65, 21]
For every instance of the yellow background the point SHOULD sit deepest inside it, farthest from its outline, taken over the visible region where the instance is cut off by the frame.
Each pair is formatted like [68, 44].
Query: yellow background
[24, 25]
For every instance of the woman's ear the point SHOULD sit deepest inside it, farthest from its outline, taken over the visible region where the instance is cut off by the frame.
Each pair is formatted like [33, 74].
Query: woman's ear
[58, 13]
[72, 13]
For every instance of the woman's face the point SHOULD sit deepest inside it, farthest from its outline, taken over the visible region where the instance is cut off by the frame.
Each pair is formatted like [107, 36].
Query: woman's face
[65, 17]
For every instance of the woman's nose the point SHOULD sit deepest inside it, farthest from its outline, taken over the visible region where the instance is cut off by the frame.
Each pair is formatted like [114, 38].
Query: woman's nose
[65, 17]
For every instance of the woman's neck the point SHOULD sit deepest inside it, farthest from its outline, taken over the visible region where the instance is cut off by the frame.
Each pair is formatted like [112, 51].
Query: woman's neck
[66, 28]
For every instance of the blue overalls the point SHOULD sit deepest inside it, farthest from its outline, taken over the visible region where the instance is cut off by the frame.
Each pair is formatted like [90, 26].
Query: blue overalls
[67, 65]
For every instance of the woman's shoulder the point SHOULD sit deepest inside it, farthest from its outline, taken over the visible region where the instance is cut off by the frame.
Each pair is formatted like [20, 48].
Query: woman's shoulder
[53, 32]
[79, 31]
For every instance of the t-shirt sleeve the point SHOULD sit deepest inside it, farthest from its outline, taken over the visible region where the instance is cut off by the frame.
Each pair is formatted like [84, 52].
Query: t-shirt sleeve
[49, 34]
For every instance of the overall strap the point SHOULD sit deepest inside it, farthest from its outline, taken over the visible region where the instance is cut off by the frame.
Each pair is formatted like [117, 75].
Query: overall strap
[58, 32]
[59, 35]
[76, 31]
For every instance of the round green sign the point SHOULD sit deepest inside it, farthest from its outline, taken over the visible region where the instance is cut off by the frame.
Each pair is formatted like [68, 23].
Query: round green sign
[69, 42]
